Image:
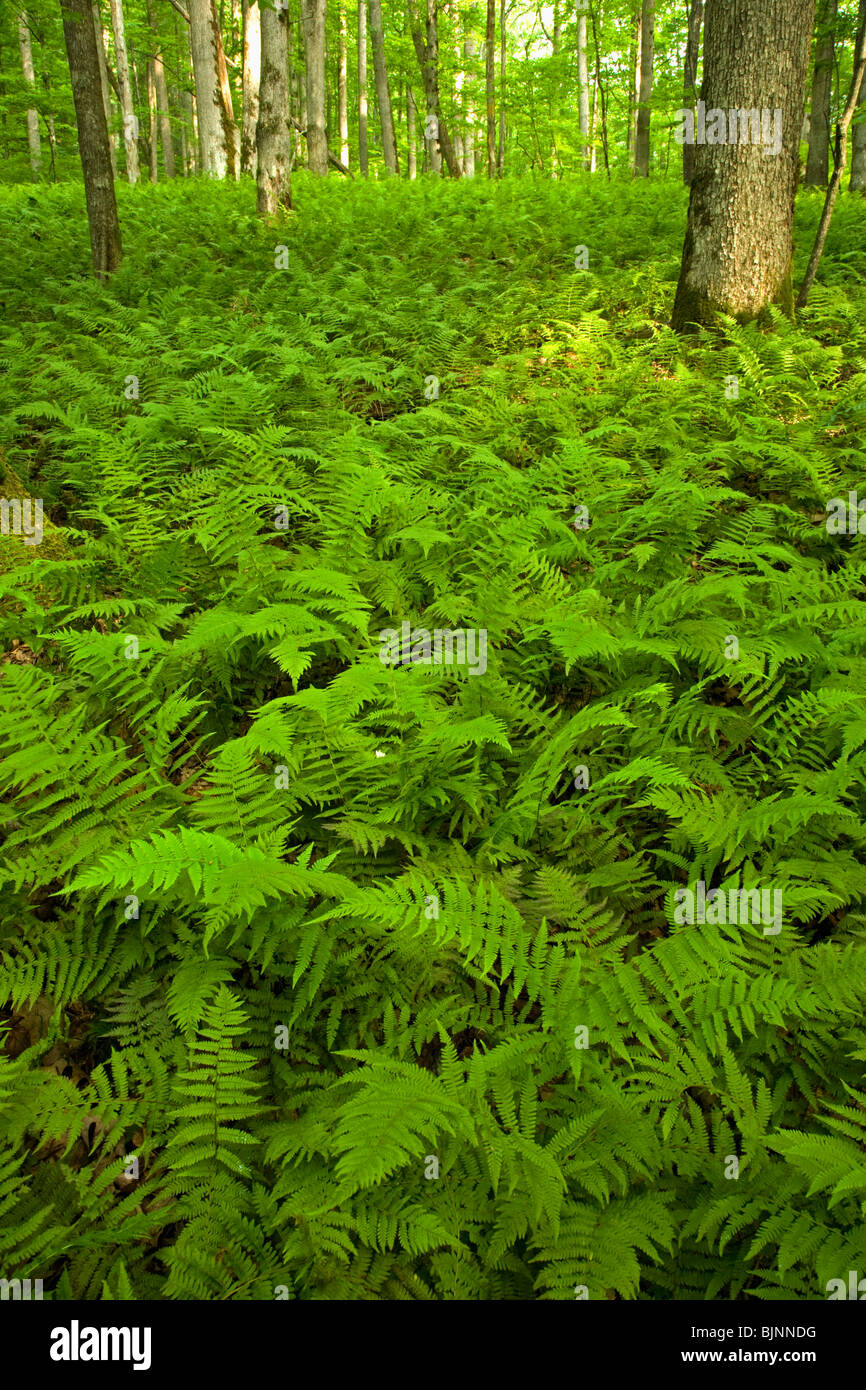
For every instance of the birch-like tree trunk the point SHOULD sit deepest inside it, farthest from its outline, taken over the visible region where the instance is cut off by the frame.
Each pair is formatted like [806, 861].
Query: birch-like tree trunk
[33, 141]
[80, 39]
[342, 86]
[818, 158]
[362, 86]
[273, 146]
[252, 71]
[209, 110]
[383, 95]
[411, 134]
[127, 106]
[583, 79]
[739, 240]
[152, 130]
[314, 43]
[647, 54]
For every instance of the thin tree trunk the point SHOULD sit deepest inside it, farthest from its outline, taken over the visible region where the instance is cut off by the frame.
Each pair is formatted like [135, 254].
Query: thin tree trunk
[383, 95]
[411, 133]
[583, 80]
[130, 123]
[601, 91]
[647, 53]
[469, 134]
[273, 143]
[103, 82]
[362, 86]
[690, 79]
[80, 39]
[314, 35]
[231, 133]
[839, 156]
[152, 125]
[33, 141]
[739, 240]
[500, 161]
[858, 147]
[634, 80]
[209, 109]
[437, 141]
[162, 106]
[818, 158]
[342, 87]
[490, 88]
[252, 72]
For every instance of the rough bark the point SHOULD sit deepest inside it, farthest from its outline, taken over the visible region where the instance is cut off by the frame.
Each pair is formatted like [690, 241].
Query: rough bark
[80, 39]
[103, 82]
[33, 141]
[273, 143]
[818, 158]
[583, 80]
[130, 123]
[342, 88]
[209, 111]
[362, 86]
[647, 54]
[739, 239]
[314, 37]
[438, 144]
[383, 95]
[252, 73]
[690, 79]
[858, 147]
[230, 130]
[489, 86]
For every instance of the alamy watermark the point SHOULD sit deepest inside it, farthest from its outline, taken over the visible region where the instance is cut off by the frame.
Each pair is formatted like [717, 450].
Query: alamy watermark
[737, 126]
[444, 647]
[21, 510]
[739, 906]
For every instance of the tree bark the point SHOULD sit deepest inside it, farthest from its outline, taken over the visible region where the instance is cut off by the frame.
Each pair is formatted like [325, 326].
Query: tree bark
[162, 103]
[362, 87]
[690, 79]
[858, 147]
[153, 136]
[209, 110]
[130, 123]
[818, 158]
[739, 241]
[273, 143]
[500, 158]
[80, 39]
[314, 36]
[647, 53]
[411, 133]
[342, 87]
[103, 82]
[583, 80]
[33, 141]
[231, 133]
[490, 88]
[252, 74]
[383, 95]
[469, 133]
[437, 142]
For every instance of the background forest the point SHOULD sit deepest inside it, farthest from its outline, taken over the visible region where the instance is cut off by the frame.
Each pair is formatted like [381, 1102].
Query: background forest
[328, 978]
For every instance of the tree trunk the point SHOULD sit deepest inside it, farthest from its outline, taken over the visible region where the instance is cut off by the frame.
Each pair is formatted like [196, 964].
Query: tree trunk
[583, 80]
[411, 133]
[314, 35]
[858, 147]
[647, 53]
[252, 73]
[273, 144]
[377, 35]
[362, 86]
[490, 88]
[739, 239]
[103, 82]
[80, 39]
[210, 114]
[634, 80]
[500, 160]
[152, 126]
[162, 104]
[230, 130]
[130, 123]
[469, 115]
[690, 79]
[33, 141]
[818, 158]
[342, 88]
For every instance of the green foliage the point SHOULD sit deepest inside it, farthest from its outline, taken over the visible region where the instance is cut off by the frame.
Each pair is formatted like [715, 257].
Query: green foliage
[313, 938]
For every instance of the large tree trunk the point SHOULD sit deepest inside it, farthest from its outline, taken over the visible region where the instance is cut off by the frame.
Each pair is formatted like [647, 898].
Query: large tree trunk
[377, 34]
[818, 159]
[490, 87]
[273, 145]
[209, 110]
[314, 38]
[252, 72]
[690, 79]
[130, 123]
[33, 141]
[739, 240]
[80, 39]
[858, 147]
[342, 88]
[362, 86]
[583, 79]
[647, 53]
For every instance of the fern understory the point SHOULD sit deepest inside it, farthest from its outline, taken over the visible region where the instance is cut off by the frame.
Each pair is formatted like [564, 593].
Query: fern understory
[286, 930]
